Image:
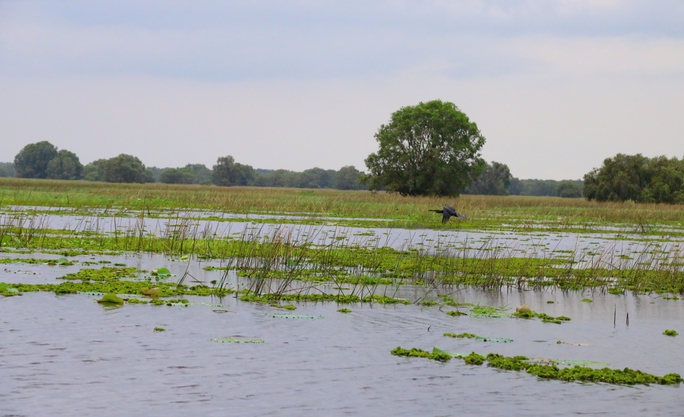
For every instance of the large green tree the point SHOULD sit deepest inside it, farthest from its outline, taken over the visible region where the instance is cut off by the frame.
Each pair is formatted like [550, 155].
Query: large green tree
[349, 178]
[177, 176]
[124, 168]
[637, 178]
[428, 149]
[569, 189]
[227, 172]
[32, 161]
[65, 166]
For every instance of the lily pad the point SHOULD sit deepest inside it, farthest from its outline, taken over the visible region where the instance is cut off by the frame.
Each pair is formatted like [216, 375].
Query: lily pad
[237, 340]
[111, 298]
[163, 272]
[294, 316]
[151, 292]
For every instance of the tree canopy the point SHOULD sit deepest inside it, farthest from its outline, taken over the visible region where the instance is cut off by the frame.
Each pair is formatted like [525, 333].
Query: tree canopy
[123, 168]
[32, 161]
[495, 179]
[65, 166]
[428, 149]
[227, 172]
[637, 178]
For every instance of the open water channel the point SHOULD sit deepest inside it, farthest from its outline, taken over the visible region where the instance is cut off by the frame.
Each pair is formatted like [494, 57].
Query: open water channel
[67, 355]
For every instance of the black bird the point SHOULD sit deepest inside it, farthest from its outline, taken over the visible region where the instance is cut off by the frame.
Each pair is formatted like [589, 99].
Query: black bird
[447, 212]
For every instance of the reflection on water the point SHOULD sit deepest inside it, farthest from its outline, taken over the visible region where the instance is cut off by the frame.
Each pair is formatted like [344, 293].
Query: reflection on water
[66, 355]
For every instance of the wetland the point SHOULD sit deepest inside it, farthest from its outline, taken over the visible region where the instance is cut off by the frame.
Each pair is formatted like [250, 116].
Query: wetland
[179, 299]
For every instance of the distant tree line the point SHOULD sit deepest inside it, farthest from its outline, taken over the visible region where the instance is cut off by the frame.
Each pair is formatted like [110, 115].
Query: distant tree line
[44, 160]
[496, 179]
[637, 178]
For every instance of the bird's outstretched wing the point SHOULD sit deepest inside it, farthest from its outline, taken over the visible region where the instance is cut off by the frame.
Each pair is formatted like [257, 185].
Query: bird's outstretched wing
[445, 215]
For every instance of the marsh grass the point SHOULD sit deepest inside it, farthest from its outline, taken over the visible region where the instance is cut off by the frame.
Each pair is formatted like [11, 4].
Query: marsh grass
[281, 263]
[483, 211]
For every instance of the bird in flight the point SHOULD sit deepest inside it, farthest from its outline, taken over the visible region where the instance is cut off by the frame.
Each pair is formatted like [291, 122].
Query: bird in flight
[447, 212]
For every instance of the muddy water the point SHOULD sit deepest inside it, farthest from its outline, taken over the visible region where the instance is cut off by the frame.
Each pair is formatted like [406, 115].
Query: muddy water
[67, 355]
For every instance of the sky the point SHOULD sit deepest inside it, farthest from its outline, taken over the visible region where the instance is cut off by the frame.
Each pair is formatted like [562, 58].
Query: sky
[554, 86]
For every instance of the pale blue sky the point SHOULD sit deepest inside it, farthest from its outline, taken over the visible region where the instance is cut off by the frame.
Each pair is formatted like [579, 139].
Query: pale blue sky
[555, 86]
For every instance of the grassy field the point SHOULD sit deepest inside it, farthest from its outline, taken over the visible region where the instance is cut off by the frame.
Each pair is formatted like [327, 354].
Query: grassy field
[411, 212]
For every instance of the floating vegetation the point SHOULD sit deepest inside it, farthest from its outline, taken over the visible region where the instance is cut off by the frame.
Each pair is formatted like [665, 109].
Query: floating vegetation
[105, 273]
[237, 340]
[455, 313]
[461, 335]
[179, 302]
[344, 310]
[7, 290]
[419, 353]
[161, 273]
[159, 329]
[480, 338]
[670, 333]
[587, 300]
[485, 311]
[220, 311]
[545, 318]
[575, 373]
[151, 292]
[110, 298]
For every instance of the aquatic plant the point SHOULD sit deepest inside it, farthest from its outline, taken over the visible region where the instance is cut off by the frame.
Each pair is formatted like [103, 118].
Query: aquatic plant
[461, 335]
[480, 338]
[419, 353]
[488, 311]
[545, 318]
[344, 310]
[110, 298]
[159, 329]
[578, 373]
[670, 333]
